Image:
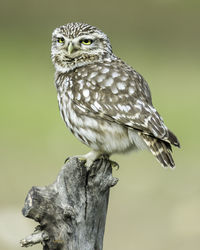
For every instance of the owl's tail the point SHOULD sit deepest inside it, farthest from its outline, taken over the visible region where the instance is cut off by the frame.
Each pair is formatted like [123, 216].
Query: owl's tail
[160, 149]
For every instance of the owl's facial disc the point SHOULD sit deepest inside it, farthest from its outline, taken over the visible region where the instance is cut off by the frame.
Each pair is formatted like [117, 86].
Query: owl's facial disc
[73, 48]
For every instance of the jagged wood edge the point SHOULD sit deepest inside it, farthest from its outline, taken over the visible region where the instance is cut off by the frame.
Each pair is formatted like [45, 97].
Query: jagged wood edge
[74, 206]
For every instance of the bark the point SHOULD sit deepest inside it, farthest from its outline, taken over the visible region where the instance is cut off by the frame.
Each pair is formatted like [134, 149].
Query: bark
[71, 211]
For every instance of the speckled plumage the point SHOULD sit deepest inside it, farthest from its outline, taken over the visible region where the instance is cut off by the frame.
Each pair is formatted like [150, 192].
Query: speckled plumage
[104, 102]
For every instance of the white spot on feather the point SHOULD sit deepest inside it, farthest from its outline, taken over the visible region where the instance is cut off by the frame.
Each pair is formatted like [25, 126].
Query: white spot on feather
[115, 74]
[116, 117]
[86, 92]
[109, 82]
[84, 74]
[94, 108]
[146, 121]
[100, 78]
[97, 105]
[93, 74]
[81, 108]
[71, 83]
[114, 90]
[124, 78]
[88, 84]
[120, 107]
[105, 70]
[140, 102]
[138, 106]
[125, 108]
[80, 82]
[87, 99]
[131, 90]
[78, 97]
[107, 60]
[120, 85]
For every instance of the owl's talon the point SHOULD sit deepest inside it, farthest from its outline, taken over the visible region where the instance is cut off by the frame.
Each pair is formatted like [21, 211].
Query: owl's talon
[114, 164]
[66, 160]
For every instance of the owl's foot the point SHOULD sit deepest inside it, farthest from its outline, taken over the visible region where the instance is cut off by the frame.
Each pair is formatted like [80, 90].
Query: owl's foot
[114, 164]
[80, 157]
[89, 158]
[66, 159]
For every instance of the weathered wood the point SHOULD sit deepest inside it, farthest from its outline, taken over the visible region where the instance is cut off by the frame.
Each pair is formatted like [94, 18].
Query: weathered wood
[71, 211]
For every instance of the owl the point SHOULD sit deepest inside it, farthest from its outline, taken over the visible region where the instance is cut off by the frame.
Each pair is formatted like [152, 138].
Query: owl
[105, 103]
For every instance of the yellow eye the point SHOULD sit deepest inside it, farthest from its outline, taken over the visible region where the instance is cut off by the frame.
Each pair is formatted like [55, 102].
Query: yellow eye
[60, 40]
[86, 41]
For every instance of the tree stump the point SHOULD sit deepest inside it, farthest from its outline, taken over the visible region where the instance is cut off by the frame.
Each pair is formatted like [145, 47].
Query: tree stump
[71, 211]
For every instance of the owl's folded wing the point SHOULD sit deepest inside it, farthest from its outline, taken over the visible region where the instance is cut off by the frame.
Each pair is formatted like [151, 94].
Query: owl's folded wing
[130, 112]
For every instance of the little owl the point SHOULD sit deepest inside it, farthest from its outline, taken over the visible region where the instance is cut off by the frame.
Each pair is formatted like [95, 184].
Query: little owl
[104, 102]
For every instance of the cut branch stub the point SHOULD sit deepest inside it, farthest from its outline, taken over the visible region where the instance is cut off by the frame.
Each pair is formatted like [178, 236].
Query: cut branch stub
[72, 210]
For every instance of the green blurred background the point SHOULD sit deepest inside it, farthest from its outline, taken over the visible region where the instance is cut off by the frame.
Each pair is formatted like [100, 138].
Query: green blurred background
[151, 207]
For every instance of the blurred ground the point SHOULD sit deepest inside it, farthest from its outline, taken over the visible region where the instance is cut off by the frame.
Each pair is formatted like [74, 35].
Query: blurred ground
[150, 208]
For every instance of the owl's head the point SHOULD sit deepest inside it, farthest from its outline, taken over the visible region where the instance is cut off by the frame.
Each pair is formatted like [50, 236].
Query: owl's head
[78, 44]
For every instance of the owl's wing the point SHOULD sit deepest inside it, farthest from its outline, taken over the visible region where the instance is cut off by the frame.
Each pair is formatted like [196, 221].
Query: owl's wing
[121, 95]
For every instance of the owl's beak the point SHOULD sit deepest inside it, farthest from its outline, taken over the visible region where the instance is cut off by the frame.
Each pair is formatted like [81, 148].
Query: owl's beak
[70, 48]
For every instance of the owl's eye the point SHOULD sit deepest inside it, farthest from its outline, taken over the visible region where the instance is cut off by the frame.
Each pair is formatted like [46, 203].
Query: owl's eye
[86, 41]
[60, 40]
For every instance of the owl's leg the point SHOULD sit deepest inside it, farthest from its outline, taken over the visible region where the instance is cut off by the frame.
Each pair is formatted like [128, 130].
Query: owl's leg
[90, 157]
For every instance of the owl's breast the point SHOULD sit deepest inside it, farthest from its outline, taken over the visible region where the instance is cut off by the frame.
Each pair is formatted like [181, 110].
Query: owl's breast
[79, 95]
[99, 134]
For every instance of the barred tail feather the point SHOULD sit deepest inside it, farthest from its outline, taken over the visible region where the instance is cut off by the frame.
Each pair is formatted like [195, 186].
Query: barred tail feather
[173, 139]
[160, 149]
